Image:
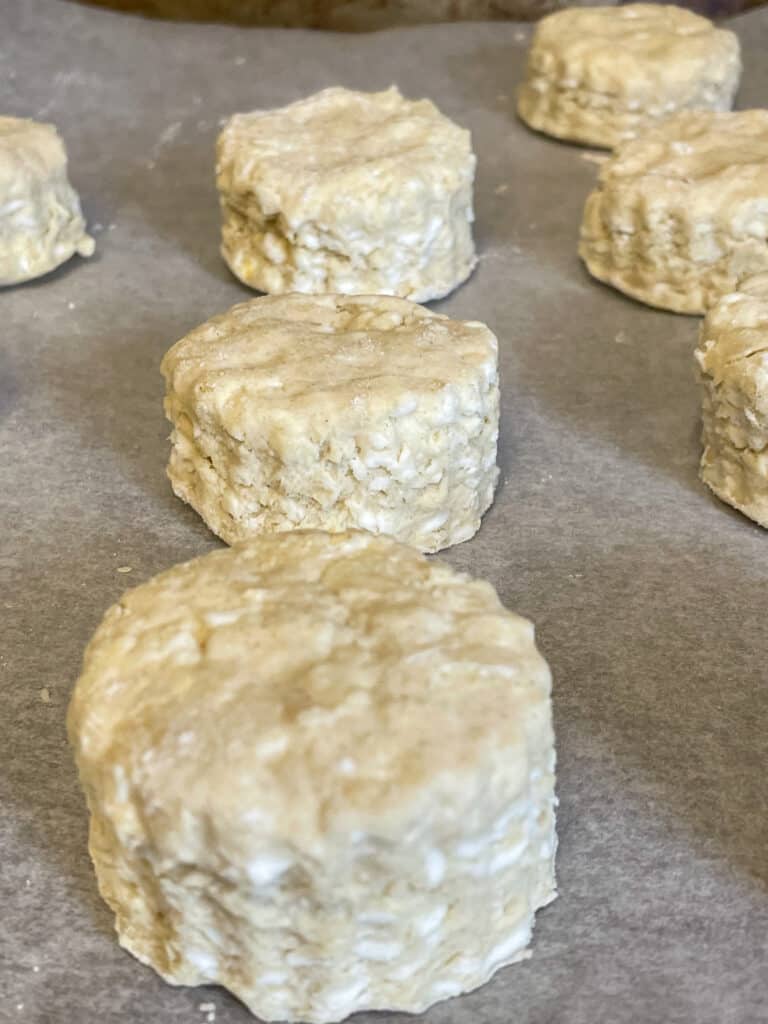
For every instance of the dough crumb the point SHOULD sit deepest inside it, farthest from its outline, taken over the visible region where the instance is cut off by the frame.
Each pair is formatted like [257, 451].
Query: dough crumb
[501, 189]
[124, 569]
[45, 695]
[593, 157]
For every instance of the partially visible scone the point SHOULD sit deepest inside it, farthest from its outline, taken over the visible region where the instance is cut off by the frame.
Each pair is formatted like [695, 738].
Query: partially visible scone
[600, 75]
[733, 370]
[348, 192]
[41, 225]
[320, 771]
[680, 215]
[332, 412]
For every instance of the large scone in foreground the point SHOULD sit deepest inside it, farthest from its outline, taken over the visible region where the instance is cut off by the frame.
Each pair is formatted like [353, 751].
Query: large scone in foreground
[681, 214]
[601, 75]
[320, 772]
[733, 371]
[41, 225]
[332, 412]
[348, 192]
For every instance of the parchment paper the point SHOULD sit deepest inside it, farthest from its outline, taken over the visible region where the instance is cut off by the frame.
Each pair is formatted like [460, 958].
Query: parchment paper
[649, 596]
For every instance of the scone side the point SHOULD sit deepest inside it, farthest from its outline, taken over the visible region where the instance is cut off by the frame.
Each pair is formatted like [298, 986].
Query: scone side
[655, 261]
[271, 255]
[740, 479]
[240, 490]
[600, 120]
[45, 231]
[734, 460]
[567, 114]
[429, 921]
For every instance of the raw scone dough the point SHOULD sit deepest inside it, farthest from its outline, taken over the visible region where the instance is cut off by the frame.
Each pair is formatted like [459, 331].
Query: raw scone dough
[681, 214]
[348, 192]
[333, 412]
[733, 371]
[41, 225]
[600, 75]
[320, 771]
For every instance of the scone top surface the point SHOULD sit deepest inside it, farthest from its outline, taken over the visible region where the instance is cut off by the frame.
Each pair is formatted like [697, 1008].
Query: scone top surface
[636, 48]
[294, 686]
[716, 159]
[304, 159]
[323, 354]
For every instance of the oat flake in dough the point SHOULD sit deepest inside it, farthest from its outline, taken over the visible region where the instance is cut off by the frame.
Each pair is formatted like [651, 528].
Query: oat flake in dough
[320, 773]
[348, 192]
[333, 412]
[601, 75]
[41, 225]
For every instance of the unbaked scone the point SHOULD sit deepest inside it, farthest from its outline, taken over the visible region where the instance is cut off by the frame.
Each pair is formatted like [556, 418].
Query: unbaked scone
[334, 412]
[348, 192]
[681, 214]
[320, 771]
[600, 75]
[41, 225]
[732, 359]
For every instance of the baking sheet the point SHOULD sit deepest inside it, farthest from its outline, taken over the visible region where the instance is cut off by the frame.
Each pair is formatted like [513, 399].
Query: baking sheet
[648, 595]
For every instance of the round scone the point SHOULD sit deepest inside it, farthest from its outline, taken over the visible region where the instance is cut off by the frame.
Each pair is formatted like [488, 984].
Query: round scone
[320, 771]
[348, 192]
[600, 75]
[732, 359]
[41, 225]
[334, 412]
[681, 214]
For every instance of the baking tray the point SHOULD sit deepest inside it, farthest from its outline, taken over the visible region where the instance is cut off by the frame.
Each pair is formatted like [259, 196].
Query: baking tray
[649, 596]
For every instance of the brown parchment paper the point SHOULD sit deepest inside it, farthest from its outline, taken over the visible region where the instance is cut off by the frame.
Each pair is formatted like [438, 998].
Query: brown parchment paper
[649, 596]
